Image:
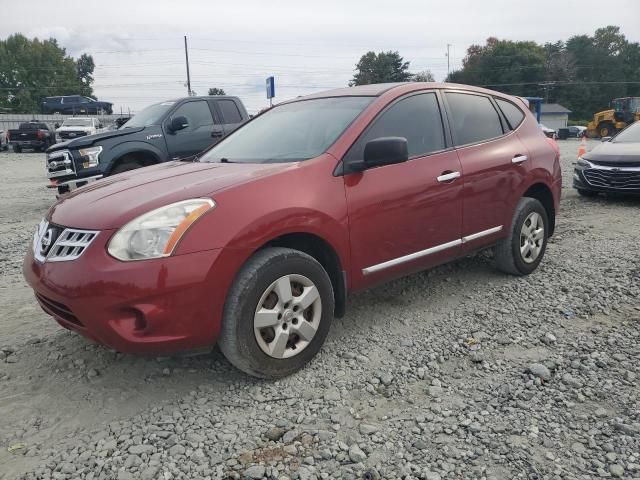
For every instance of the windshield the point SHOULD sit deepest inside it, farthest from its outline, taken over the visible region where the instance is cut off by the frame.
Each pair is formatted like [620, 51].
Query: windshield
[151, 115]
[629, 134]
[77, 122]
[291, 132]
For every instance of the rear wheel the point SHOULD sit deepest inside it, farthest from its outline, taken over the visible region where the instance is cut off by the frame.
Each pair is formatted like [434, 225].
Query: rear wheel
[277, 314]
[17, 149]
[521, 252]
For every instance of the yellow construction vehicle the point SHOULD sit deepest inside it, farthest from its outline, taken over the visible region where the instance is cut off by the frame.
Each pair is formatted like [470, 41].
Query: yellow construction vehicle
[609, 122]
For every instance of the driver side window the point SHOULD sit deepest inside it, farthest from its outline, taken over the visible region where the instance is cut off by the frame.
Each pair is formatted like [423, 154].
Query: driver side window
[416, 118]
[198, 116]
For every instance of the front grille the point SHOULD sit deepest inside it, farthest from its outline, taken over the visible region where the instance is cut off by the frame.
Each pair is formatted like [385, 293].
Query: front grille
[58, 309]
[60, 163]
[72, 134]
[615, 164]
[52, 243]
[616, 179]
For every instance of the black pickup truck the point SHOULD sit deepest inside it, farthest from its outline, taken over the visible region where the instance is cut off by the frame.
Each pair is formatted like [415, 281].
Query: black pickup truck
[165, 131]
[36, 135]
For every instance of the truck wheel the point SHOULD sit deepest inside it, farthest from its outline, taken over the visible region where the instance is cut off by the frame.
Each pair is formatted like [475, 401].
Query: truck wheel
[277, 313]
[17, 149]
[522, 250]
[125, 167]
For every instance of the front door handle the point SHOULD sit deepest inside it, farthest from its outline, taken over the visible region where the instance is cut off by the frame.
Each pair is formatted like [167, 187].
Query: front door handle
[518, 159]
[448, 176]
[217, 133]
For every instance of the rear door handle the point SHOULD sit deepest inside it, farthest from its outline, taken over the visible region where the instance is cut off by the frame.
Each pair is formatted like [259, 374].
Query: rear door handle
[447, 177]
[519, 159]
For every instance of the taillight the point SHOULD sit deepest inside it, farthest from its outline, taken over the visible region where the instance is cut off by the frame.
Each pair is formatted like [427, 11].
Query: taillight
[40, 134]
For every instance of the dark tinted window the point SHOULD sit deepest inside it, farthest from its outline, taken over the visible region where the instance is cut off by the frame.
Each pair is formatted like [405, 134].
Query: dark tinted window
[473, 118]
[416, 118]
[230, 112]
[197, 113]
[514, 114]
[70, 99]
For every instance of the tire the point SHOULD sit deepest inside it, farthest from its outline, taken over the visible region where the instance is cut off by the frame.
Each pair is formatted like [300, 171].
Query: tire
[255, 350]
[17, 149]
[606, 130]
[587, 193]
[125, 167]
[509, 256]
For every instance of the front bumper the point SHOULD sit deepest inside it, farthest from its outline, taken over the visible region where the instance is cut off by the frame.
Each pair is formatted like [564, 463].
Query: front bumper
[151, 306]
[607, 179]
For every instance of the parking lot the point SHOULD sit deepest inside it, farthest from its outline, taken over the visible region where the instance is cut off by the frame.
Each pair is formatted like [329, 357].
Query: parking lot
[459, 372]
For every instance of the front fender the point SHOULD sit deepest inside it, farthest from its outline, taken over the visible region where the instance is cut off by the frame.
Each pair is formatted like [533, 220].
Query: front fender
[136, 146]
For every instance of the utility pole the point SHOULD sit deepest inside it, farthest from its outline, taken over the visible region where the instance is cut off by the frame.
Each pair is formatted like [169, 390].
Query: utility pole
[448, 56]
[186, 56]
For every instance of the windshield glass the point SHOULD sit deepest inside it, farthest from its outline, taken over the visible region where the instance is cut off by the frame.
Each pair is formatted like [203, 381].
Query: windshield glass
[291, 132]
[630, 134]
[151, 115]
[77, 122]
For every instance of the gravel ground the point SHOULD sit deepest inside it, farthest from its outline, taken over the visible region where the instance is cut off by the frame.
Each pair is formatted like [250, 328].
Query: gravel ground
[459, 372]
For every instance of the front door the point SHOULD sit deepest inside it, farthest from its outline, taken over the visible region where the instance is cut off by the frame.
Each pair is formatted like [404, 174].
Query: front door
[407, 216]
[196, 136]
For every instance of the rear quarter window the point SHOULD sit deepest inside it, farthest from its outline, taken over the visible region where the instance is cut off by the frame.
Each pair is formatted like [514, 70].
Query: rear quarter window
[230, 112]
[512, 113]
[473, 118]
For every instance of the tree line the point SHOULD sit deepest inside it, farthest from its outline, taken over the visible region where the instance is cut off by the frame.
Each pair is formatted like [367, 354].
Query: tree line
[31, 69]
[583, 73]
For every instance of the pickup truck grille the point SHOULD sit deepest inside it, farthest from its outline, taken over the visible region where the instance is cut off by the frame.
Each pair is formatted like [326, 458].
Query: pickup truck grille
[60, 164]
[71, 134]
[52, 243]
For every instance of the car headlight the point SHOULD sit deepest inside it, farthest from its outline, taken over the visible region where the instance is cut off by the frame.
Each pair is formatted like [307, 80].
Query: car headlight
[90, 156]
[583, 163]
[156, 233]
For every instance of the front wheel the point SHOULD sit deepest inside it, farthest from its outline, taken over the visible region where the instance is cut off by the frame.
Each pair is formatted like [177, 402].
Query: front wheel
[587, 193]
[522, 250]
[277, 313]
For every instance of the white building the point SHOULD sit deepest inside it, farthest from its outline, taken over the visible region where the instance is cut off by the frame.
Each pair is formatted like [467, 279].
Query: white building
[554, 115]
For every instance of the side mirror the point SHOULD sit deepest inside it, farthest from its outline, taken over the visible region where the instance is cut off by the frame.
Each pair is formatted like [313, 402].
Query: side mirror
[178, 123]
[385, 151]
[605, 139]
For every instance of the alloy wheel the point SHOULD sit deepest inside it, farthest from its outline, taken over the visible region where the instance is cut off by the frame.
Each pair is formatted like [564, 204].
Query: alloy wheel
[287, 316]
[531, 237]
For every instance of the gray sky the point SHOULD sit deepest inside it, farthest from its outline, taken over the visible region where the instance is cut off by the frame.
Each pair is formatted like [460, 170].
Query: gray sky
[309, 46]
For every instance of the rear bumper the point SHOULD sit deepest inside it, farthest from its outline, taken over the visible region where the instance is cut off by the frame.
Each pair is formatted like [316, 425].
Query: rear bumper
[152, 306]
[27, 143]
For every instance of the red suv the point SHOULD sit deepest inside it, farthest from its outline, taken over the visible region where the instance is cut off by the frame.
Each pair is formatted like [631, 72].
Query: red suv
[256, 244]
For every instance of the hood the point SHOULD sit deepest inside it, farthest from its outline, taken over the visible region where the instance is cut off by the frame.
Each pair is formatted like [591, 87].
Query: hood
[92, 139]
[74, 129]
[615, 152]
[112, 202]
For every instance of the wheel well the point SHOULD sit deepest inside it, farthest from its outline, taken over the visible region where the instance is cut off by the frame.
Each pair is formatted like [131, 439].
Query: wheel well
[143, 158]
[325, 255]
[543, 194]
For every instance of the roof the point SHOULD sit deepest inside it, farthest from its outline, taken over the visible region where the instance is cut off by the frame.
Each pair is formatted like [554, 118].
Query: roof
[550, 108]
[371, 90]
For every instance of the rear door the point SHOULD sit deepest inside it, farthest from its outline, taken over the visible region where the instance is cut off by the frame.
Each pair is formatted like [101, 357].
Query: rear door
[229, 114]
[494, 166]
[197, 136]
[407, 216]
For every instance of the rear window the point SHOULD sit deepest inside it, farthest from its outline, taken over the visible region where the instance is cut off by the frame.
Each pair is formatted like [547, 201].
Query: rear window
[474, 119]
[513, 114]
[230, 112]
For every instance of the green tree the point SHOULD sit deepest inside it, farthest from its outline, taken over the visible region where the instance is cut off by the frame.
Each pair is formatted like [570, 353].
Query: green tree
[33, 69]
[424, 76]
[503, 65]
[381, 68]
[216, 91]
